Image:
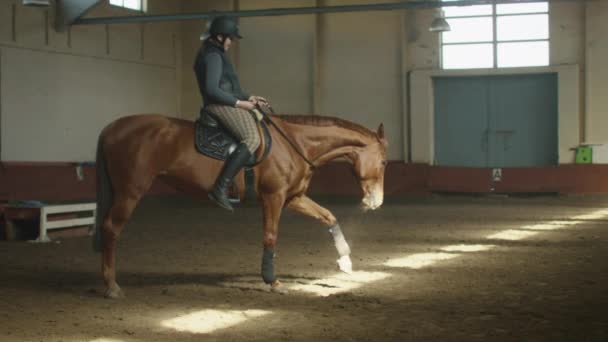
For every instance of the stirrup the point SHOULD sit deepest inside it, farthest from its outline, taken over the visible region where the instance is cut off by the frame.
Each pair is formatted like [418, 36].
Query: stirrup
[226, 205]
[231, 200]
[233, 190]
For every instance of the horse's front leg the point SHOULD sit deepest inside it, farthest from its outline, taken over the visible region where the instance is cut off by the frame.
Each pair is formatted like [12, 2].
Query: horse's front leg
[272, 205]
[304, 205]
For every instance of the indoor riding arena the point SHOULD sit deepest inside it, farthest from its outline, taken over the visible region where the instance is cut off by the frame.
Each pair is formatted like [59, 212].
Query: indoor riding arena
[427, 170]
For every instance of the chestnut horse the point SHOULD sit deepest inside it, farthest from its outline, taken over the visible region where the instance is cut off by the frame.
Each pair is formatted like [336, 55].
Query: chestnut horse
[133, 151]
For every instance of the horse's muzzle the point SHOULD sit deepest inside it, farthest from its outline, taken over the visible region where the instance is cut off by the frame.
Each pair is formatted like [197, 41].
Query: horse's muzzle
[373, 199]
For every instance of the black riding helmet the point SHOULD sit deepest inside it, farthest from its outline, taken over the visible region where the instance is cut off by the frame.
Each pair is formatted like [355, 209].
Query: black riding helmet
[226, 26]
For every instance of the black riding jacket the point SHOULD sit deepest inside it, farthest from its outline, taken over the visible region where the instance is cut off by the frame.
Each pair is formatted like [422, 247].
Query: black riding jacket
[217, 80]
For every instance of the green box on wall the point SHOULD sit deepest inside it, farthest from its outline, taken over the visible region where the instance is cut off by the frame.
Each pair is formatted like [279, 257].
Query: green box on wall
[584, 155]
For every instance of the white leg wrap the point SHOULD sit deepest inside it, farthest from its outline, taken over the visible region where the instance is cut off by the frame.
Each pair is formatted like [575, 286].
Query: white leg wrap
[345, 264]
[340, 241]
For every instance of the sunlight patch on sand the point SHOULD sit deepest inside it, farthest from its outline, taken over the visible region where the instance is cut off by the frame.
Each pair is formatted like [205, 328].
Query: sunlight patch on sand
[207, 321]
[419, 260]
[553, 225]
[533, 229]
[467, 248]
[340, 282]
[593, 216]
[512, 235]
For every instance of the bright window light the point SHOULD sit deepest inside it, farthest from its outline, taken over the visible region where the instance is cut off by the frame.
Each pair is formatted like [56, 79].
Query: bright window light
[468, 56]
[465, 11]
[469, 30]
[539, 7]
[521, 38]
[207, 321]
[523, 54]
[523, 27]
[133, 4]
[130, 4]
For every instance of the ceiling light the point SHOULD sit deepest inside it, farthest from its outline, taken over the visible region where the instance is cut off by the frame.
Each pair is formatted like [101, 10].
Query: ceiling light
[439, 24]
[36, 3]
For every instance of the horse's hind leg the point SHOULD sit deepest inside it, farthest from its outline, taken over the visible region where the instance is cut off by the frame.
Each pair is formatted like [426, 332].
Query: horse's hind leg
[119, 214]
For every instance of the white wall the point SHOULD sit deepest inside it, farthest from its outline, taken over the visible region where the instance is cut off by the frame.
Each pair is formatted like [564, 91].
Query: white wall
[55, 105]
[361, 71]
[57, 93]
[276, 57]
[597, 72]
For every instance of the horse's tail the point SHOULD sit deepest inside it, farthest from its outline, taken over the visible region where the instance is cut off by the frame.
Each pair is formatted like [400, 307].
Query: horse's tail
[104, 195]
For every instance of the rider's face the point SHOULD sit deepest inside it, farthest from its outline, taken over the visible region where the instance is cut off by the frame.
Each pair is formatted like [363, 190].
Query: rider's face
[227, 43]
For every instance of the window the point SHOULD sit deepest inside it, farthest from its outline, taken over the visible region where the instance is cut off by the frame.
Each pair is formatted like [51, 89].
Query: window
[137, 5]
[496, 36]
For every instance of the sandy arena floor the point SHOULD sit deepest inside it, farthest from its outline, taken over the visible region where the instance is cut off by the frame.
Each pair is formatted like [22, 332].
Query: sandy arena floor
[436, 268]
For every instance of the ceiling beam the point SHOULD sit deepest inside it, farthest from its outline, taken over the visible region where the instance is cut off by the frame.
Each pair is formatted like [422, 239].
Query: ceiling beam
[412, 4]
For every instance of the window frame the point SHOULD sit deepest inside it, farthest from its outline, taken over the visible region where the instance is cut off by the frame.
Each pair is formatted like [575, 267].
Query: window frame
[495, 42]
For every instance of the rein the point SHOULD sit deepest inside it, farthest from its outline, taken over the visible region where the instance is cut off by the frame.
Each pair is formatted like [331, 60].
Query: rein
[291, 143]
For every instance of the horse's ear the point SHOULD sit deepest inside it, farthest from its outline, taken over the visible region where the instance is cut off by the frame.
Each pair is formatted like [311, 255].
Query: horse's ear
[381, 131]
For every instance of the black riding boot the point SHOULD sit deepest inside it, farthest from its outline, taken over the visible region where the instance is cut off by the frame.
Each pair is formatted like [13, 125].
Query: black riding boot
[232, 166]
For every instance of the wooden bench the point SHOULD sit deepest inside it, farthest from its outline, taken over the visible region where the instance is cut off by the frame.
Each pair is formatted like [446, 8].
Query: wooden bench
[50, 217]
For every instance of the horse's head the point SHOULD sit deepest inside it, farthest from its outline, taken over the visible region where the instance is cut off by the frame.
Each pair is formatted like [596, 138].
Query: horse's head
[369, 163]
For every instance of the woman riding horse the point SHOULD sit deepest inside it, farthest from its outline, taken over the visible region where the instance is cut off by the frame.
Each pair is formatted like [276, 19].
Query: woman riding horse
[224, 98]
[135, 150]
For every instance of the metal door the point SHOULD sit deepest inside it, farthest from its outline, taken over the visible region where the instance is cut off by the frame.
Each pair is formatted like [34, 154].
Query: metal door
[496, 121]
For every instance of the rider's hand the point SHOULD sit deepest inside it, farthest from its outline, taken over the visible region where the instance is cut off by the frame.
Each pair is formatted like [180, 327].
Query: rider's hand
[258, 100]
[247, 105]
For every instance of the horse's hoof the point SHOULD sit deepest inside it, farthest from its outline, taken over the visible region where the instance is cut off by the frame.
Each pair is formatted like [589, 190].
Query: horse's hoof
[114, 293]
[278, 287]
[345, 264]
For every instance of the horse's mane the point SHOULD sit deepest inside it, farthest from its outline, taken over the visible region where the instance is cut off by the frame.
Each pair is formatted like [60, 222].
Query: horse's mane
[326, 121]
